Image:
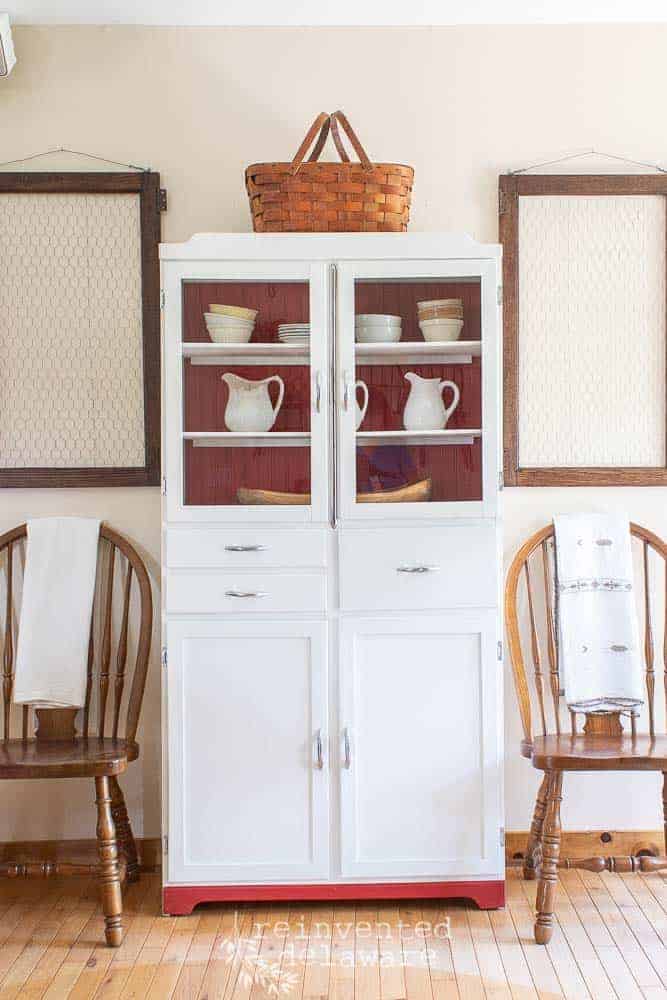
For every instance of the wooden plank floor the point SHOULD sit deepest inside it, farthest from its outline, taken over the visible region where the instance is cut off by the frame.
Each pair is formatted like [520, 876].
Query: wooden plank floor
[610, 942]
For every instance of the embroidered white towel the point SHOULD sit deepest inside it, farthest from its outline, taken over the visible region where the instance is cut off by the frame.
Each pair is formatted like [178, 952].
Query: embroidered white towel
[599, 656]
[54, 626]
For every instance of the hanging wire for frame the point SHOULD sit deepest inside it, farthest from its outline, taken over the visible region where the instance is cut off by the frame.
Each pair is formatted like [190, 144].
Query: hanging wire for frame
[74, 152]
[588, 152]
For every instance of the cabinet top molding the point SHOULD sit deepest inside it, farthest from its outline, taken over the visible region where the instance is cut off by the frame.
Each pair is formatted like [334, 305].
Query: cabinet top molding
[330, 246]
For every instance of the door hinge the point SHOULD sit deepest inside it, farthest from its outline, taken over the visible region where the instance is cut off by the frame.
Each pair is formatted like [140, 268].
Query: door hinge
[163, 656]
[165, 844]
[501, 479]
[499, 650]
[502, 203]
[162, 200]
[499, 295]
[501, 836]
[164, 486]
[162, 298]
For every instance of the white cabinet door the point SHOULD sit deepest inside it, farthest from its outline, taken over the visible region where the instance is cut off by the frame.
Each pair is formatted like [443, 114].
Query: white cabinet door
[418, 420]
[221, 458]
[420, 772]
[247, 772]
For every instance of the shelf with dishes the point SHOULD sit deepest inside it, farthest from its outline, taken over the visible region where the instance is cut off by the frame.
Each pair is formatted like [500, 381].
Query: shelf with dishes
[231, 328]
[379, 336]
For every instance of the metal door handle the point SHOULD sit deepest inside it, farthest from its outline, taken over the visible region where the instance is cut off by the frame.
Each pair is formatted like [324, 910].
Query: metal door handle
[319, 751]
[245, 548]
[318, 392]
[347, 750]
[347, 385]
[417, 569]
[245, 593]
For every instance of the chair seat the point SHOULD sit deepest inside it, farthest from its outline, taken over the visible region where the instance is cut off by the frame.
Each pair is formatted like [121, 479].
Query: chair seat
[597, 753]
[78, 758]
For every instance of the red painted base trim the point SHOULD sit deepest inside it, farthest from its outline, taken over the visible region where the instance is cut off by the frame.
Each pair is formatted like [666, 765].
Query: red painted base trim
[179, 900]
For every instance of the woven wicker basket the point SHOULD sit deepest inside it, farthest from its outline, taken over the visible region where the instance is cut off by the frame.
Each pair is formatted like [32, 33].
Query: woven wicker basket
[314, 197]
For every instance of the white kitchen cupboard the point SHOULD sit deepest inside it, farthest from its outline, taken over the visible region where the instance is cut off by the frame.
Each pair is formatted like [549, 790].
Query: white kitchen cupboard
[254, 698]
[332, 682]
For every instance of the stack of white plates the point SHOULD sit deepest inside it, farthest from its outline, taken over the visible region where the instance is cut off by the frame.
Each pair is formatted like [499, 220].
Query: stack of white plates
[296, 334]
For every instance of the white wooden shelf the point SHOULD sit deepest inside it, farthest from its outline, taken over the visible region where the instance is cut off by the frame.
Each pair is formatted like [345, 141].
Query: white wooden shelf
[245, 354]
[301, 439]
[455, 352]
[452, 352]
[463, 436]
[248, 439]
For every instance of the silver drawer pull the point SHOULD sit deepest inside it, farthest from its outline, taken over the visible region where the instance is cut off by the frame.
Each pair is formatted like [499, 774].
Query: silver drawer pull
[417, 569]
[245, 593]
[319, 751]
[245, 548]
[347, 750]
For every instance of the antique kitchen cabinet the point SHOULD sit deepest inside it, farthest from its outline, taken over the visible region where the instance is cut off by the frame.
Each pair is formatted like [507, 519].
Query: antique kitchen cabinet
[331, 599]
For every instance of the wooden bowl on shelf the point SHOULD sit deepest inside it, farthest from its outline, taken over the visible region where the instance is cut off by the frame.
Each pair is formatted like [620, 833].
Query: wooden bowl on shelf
[413, 493]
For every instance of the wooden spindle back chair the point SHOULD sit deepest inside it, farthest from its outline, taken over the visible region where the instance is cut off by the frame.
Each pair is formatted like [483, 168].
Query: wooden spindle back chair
[114, 694]
[556, 739]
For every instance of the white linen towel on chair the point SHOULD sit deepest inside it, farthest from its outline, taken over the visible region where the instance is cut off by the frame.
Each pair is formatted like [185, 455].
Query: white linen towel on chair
[599, 655]
[54, 627]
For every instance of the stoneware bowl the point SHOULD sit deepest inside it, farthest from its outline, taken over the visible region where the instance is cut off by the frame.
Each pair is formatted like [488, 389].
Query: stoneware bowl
[215, 320]
[377, 319]
[373, 334]
[441, 330]
[239, 311]
[229, 334]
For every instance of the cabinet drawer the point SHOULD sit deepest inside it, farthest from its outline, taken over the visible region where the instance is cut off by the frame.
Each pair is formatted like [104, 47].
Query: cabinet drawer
[245, 548]
[192, 592]
[415, 569]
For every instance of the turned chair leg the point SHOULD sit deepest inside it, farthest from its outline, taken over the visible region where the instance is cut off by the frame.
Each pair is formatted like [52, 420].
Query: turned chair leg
[109, 871]
[534, 846]
[124, 831]
[546, 887]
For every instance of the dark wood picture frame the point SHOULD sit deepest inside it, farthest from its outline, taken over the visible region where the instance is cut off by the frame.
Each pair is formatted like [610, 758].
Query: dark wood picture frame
[152, 200]
[511, 187]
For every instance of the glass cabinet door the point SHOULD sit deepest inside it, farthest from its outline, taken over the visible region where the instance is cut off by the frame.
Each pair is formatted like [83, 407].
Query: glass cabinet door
[246, 392]
[418, 405]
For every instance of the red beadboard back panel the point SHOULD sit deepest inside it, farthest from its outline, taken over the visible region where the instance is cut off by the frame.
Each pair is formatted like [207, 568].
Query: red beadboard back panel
[277, 302]
[213, 475]
[455, 470]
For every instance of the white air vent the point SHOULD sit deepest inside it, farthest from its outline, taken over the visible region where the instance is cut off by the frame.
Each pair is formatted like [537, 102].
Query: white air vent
[7, 57]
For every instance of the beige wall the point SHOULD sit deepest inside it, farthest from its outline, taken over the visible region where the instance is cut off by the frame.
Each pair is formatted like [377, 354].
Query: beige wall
[461, 104]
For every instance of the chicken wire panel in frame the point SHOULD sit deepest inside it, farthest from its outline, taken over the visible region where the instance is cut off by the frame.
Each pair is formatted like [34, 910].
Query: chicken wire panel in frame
[71, 331]
[591, 331]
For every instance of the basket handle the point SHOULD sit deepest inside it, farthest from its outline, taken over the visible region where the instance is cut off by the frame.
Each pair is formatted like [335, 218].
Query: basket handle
[336, 118]
[323, 123]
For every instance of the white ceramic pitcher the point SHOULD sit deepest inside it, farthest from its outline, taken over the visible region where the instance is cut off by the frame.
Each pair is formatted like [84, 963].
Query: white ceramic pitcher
[425, 409]
[249, 405]
[360, 411]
